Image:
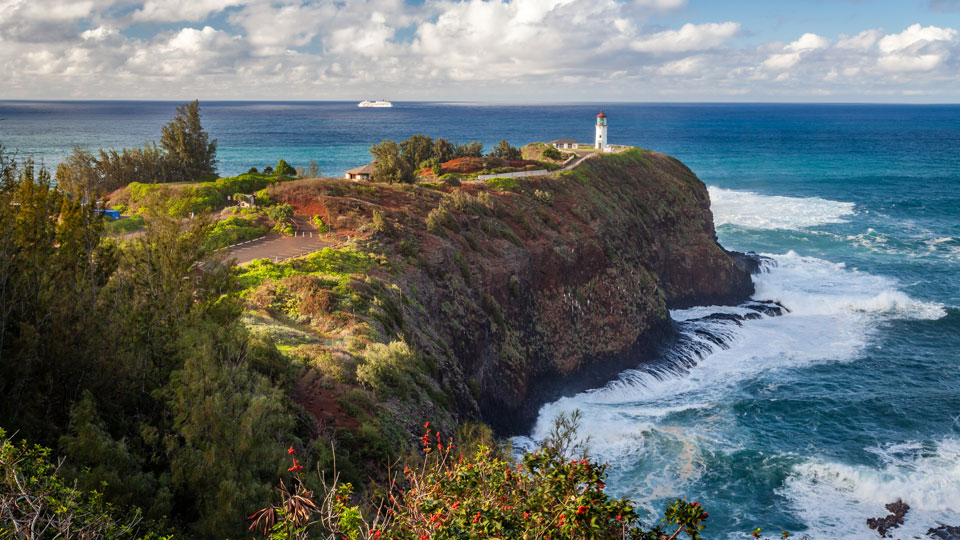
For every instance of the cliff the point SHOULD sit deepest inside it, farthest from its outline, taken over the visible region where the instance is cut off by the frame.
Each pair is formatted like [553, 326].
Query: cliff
[503, 293]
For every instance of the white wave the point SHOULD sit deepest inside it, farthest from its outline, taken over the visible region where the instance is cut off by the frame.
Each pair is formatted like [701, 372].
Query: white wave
[812, 286]
[653, 414]
[753, 210]
[835, 499]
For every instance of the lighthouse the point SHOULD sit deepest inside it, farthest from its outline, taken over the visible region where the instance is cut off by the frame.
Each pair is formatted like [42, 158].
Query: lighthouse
[600, 142]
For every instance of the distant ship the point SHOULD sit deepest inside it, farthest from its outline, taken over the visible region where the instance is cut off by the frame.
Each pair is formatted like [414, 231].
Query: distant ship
[377, 103]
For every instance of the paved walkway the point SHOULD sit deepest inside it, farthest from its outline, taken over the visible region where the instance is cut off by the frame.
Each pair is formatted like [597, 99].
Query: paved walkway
[278, 248]
[576, 162]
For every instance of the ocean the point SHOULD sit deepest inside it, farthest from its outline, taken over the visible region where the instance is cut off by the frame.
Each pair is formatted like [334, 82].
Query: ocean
[809, 422]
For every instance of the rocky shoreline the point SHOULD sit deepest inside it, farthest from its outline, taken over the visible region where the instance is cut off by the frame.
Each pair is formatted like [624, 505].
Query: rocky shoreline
[898, 511]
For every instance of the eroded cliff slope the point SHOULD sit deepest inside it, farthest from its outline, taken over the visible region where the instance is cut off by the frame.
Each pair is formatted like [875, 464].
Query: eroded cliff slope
[499, 291]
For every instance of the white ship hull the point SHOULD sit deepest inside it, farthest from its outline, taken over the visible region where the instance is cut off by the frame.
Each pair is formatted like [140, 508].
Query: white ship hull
[379, 103]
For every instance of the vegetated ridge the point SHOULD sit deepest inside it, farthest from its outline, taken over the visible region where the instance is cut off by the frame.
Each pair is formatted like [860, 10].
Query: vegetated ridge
[481, 301]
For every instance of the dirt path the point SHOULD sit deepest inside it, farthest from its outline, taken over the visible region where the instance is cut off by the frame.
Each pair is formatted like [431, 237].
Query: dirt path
[278, 248]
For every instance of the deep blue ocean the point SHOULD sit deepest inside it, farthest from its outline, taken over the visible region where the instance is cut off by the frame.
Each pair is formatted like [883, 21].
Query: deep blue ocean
[809, 422]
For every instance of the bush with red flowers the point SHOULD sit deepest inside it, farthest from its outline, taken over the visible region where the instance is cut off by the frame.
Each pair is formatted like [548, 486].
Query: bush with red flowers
[550, 493]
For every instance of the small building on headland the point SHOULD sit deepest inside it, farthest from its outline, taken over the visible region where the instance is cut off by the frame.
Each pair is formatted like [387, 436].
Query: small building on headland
[360, 173]
[246, 201]
[565, 144]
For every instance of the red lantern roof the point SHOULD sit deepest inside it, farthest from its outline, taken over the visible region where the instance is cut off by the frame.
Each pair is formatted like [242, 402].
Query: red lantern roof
[601, 115]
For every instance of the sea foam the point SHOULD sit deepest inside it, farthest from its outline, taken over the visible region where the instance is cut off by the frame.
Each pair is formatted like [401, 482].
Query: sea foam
[756, 211]
[834, 499]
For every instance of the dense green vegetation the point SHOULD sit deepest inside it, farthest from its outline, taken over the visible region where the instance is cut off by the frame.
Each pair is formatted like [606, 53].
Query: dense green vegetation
[397, 162]
[173, 384]
[234, 230]
[146, 381]
[186, 153]
[124, 225]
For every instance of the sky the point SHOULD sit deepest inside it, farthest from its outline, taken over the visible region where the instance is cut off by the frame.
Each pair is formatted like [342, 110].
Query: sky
[891, 51]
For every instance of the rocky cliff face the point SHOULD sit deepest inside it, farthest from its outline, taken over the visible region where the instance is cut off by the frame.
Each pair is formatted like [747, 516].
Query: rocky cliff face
[513, 288]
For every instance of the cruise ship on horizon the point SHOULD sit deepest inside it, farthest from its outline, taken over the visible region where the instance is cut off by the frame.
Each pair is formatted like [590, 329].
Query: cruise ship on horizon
[377, 103]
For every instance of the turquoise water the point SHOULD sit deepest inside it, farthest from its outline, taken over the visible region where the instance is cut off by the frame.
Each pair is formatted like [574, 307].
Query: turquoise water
[809, 422]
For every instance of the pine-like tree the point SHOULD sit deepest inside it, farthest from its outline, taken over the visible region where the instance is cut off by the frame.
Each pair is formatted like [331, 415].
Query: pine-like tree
[191, 153]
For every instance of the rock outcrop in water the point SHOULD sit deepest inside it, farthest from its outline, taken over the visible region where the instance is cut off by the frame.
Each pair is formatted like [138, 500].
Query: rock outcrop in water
[512, 290]
[898, 510]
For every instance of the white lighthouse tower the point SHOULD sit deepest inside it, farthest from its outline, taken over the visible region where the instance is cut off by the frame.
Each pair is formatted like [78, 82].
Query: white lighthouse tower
[600, 142]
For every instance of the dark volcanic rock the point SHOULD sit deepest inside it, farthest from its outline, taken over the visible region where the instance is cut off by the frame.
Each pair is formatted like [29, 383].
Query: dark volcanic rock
[893, 520]
[749, 261]
[945, 532]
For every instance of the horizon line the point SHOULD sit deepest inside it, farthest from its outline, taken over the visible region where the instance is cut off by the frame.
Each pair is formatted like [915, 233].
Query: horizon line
[468, 101]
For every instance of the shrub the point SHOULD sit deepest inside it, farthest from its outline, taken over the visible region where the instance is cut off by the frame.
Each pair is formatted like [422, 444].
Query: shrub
[233, 230]
[124, 225]
[384, 368]
[382, 224]
[450, 180]
[284, 169]
[438, 218]
[281, 212]
[553, 492]
[262, 198]
[203, 198]
[552, 153]
[543, 196]
[328, 261]
[502, 183]
[252, 170]
[319, 224]
[36, 502]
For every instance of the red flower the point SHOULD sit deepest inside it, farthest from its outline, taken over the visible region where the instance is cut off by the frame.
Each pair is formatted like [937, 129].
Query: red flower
[377, 533]
[456, 504]
[582, 510]
[619, 517]
[295, 467]
[427, 425]
[291, 451]
[476, 518]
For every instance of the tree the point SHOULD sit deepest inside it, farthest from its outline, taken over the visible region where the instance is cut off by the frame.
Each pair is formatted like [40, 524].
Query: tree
[78, 174]
[473, 149]
[284, 169]
[312, 170]
[191, 152]
[389, 165]
[505, 151]
[443, 150]
[417, 149]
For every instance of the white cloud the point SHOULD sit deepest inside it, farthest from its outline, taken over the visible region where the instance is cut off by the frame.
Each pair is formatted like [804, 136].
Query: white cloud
[862, 41]
[809, 42]
[664, 5]
[794, 53]
[181, 10]
[690, 37]
[100, 33]
[446, 49]
[915, 35]
[906, 62]
[684, 66]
